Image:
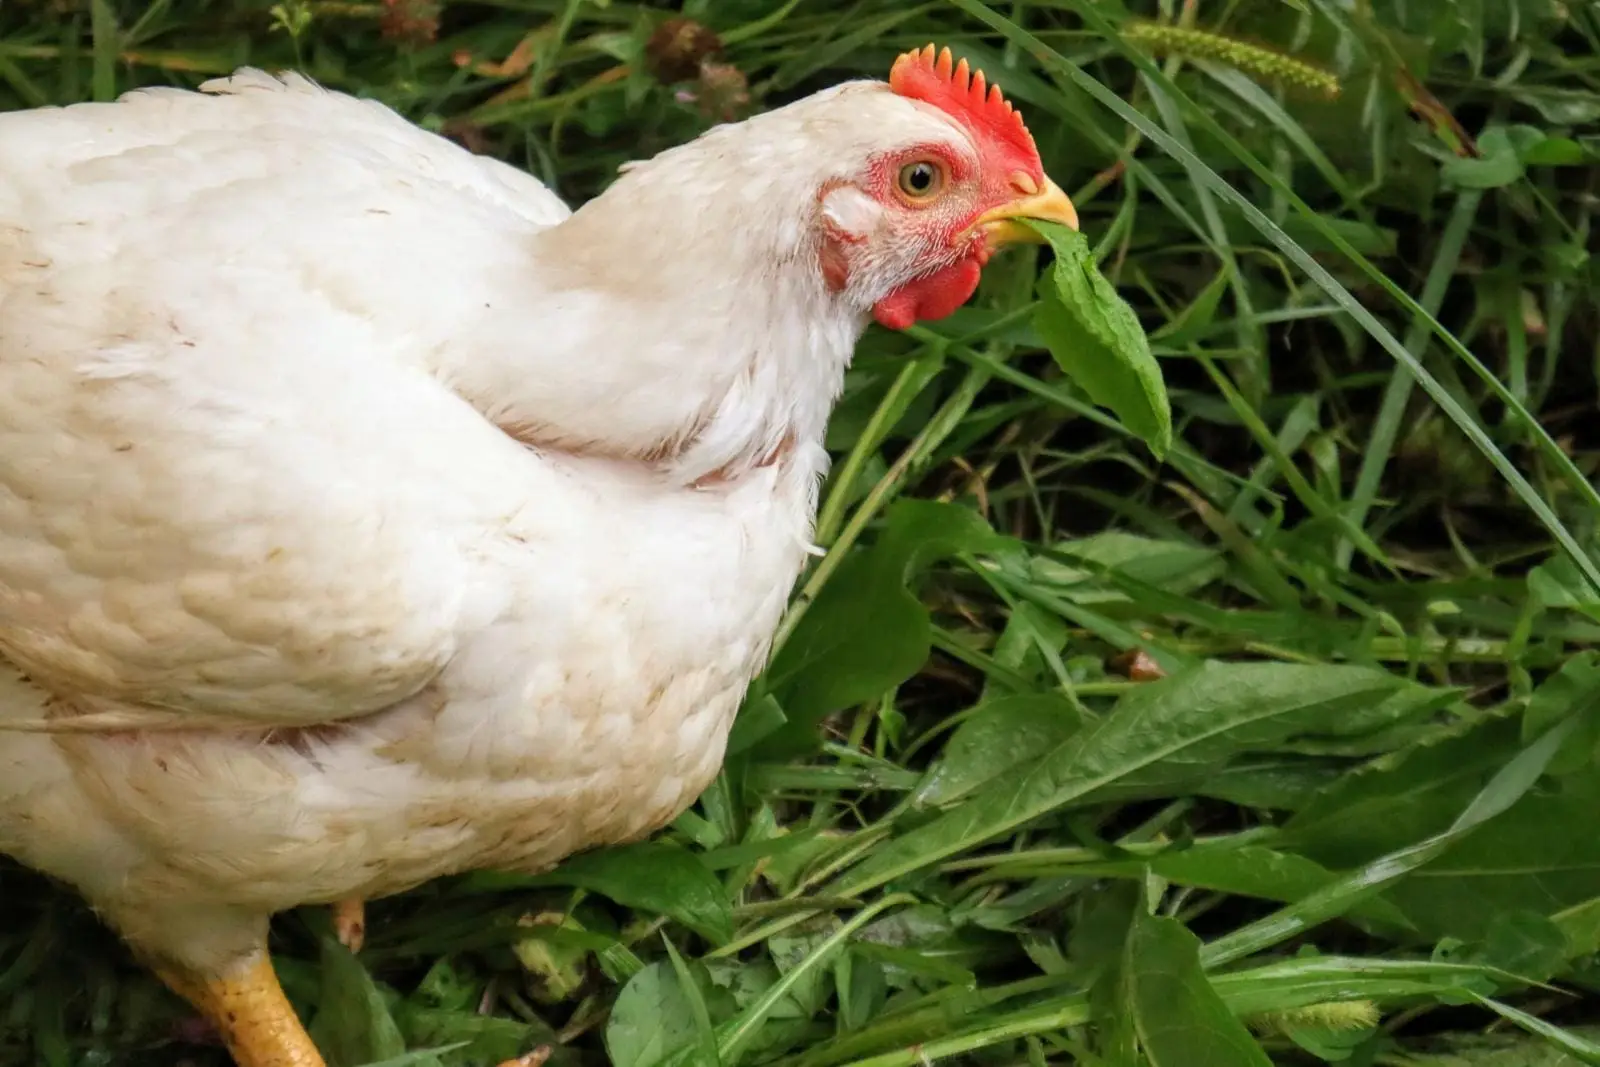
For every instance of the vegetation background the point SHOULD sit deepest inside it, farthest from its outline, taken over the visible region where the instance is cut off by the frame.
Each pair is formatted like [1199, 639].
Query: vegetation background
[1283, 750]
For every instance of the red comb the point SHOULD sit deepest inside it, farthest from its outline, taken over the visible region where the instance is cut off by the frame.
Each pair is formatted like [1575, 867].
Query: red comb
[934, 77]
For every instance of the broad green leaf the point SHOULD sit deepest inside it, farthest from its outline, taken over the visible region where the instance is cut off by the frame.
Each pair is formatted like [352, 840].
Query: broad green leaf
[1497, 164]
[1580, 925]
[1097, 951]
[1400, 798]
[1558, 583]
[1555, 152]
[757, 719]
[1180, 1019]
[866, 633]
[1030, 637]
[861, 986]
[1286, 784]
[445, 988]
[1572, 690]
[995, 737]
[1524, 943]
[1172, 730]
[928, 940]
[1246, 870]
[1541, 856]
[1173, 566]
[443, 1013]
[655, 877]
[1575, 687]
[1509, 785]
[651, 1019]
[741, 1033]
[481, 1038]
[1096, 338]
[353, 1025]
[705, 1040]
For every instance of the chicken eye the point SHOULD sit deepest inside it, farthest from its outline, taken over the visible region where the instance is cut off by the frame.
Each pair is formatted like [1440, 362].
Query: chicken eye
[921, 180]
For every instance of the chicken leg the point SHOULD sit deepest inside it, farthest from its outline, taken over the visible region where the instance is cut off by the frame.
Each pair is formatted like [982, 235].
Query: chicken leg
[256, 1021]
[249, 1010]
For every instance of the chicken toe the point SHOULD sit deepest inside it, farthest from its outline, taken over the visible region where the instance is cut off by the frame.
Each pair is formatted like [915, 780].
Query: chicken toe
[350, 923]
[249, 1010]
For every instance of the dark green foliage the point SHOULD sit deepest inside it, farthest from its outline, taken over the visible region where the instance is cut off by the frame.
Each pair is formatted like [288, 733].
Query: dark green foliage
[1283, 749]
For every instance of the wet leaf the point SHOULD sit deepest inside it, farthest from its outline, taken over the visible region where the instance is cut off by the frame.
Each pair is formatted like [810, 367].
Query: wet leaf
[996, 736]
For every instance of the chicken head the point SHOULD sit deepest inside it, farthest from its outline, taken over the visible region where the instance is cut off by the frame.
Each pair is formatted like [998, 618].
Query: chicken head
[910, 235]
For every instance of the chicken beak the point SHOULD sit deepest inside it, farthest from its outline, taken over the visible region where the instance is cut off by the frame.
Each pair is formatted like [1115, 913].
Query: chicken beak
[1000, 226]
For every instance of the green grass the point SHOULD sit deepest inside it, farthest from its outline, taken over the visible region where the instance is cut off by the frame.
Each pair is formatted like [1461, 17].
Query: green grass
[964, 819]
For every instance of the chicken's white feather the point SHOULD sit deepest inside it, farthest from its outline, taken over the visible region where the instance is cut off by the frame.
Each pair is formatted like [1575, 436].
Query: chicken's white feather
[313, 423]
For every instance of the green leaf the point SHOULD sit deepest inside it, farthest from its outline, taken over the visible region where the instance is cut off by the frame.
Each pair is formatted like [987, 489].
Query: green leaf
[1399, 798]
[652, 1018]
[1580, 925]
[1096, 338]
[1288, 785]
[1245, 870]
[1174, 566]
[866, 633]
[1555, 152]
[996, 736]
[1509, 785]
[353, 1025]
[656, 877]
[1558, 583]
[1164, 732]
[1524, 943]
[1496, 166]
[861, 987]
[1098, 955]
[758, 718]
[479, 1038]
[740, 1033]
[706, 1041]
[1572, 690]
[1541, 856]
[1180, 1019]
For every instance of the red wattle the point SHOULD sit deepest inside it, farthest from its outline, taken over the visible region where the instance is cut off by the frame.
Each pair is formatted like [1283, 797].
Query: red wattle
[929, 298]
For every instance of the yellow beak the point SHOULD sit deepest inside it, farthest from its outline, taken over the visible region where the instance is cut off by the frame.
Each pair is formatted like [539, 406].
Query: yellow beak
[999, 225]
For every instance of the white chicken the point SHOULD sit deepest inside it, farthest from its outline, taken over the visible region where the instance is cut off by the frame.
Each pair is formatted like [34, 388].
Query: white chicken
[366, 517]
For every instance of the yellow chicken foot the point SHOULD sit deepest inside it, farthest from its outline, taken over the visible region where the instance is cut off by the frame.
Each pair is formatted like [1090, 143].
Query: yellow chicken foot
[350, 923]
[249, 1010]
